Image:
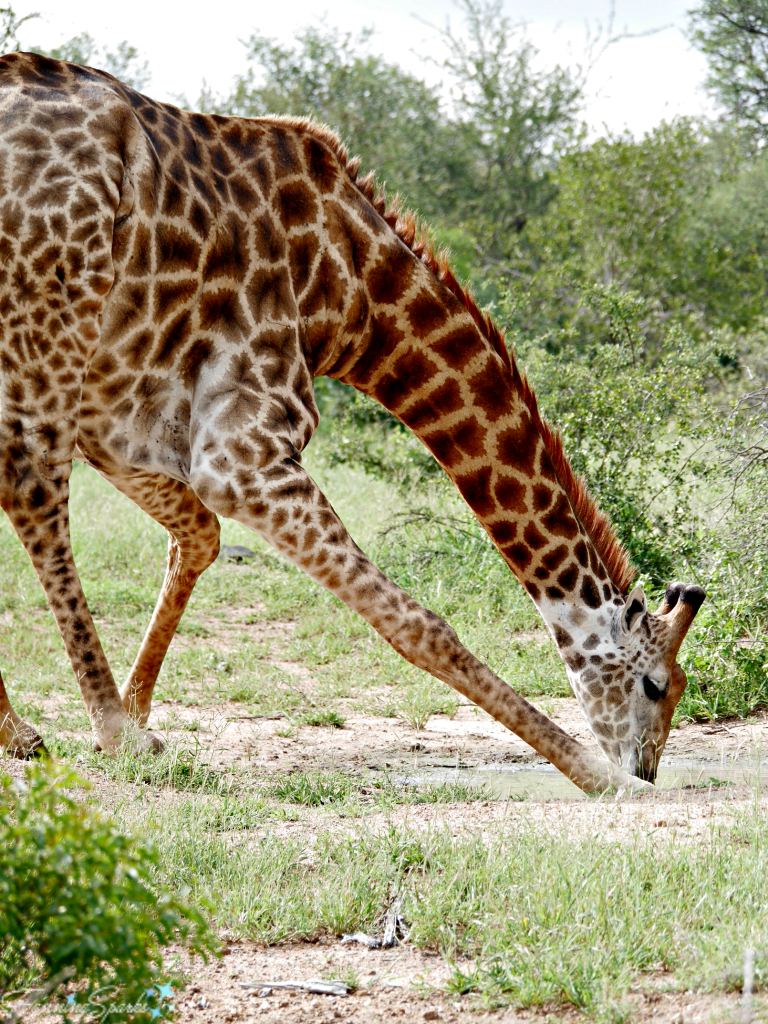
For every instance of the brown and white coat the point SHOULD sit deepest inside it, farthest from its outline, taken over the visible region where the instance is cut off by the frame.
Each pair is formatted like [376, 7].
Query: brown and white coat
[170, 284]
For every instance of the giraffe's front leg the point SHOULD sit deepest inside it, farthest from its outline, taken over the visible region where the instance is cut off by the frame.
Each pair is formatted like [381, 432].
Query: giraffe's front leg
[17, 738]
[284, 505]
[193, 544]
[136, 691]
[35, 497]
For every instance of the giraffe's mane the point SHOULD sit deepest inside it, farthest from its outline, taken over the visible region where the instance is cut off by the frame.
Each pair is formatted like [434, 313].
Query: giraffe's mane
[405, 224]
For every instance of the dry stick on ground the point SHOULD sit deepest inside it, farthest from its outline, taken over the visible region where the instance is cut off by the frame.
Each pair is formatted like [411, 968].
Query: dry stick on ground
[323, 988]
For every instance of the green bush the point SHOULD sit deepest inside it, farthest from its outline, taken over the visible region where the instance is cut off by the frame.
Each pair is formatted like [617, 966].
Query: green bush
[726, 656]
[78, 904]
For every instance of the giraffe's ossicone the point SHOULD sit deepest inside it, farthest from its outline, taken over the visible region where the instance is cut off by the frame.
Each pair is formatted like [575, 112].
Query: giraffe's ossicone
[170, 284]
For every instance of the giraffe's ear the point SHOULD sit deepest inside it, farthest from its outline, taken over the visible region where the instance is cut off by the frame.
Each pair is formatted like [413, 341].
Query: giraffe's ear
[633, 611]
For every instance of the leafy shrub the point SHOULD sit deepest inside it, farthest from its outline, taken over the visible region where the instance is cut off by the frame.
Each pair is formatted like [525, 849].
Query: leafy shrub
[366, 436]
[632, 407]
[78, 903]
[726, 657]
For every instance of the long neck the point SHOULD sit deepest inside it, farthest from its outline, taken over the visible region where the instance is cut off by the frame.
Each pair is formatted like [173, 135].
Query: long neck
[427, 361]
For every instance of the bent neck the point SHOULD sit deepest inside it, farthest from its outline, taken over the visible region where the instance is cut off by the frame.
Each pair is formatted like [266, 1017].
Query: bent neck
[427, 361]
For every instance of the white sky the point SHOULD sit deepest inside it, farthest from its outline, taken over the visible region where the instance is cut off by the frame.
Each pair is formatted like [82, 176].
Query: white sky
[635, 84]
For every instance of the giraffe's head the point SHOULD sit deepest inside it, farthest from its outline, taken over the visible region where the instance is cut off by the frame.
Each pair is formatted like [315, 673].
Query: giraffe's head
[621, 662]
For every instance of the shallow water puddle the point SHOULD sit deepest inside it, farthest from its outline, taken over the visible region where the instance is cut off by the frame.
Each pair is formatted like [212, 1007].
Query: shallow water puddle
[540, 781]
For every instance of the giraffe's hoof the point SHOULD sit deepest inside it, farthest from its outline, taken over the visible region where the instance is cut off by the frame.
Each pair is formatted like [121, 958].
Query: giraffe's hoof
[38, 752]
[136, 740]
[34, 749]
[26, 744]
[155, 744]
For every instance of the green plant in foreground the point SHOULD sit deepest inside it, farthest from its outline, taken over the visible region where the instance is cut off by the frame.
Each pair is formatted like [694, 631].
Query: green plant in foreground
[78, 903]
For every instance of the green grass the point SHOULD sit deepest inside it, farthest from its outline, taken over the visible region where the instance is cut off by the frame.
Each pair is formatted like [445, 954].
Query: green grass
[313, 789]
[120, 554]
[177, 767]
[321, 716]
[424, 699]
[546, 919]
[524, 916]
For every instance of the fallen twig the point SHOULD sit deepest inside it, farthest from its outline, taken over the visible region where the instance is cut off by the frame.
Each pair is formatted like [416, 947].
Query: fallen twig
[256, 718]
[323, 988]
[365, 940]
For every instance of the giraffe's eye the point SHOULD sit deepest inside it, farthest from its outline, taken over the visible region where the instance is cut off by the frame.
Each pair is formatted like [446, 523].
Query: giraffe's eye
[652, 690]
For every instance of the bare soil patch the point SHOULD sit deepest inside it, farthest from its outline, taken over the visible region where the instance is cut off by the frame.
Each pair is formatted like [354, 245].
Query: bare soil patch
[400, 984]
[469, 739]
[406, 984]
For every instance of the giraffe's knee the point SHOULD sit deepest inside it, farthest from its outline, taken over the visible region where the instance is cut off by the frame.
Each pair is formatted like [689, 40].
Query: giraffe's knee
[249, 500]
[199, 548]
[217, 494]
[208, 547]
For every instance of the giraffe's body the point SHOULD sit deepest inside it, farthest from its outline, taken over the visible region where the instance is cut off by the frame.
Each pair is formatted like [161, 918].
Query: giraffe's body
[170, 283]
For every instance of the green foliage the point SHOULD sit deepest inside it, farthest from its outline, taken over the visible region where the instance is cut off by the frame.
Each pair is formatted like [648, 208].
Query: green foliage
[617, 221]
[361, 433]
[123, 62]
[628, 407]
[10, 23]
[674, 216]
[726, 658]
[78, 902]
[479, 169]
[509, 119]
[388, 117]
[733, 35]
[727, 672]
[724, 267]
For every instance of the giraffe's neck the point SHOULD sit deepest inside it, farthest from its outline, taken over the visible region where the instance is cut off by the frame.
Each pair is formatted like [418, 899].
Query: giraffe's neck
[426, 359]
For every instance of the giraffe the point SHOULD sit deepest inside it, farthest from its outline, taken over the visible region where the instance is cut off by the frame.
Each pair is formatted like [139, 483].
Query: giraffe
[170, 285]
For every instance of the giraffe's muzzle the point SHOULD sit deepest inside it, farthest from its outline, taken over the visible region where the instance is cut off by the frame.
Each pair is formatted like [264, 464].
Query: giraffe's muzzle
[678, 610]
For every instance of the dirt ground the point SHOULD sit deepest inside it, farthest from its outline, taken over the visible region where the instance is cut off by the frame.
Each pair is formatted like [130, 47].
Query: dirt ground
[404, 984]
[407, 985]
[401, 984]
[470, 739]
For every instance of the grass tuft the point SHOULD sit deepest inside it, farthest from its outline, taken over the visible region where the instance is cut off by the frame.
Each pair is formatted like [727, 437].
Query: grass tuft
[313, 789]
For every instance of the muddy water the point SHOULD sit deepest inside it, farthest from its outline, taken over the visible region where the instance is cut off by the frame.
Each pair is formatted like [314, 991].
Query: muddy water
[540, 781]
